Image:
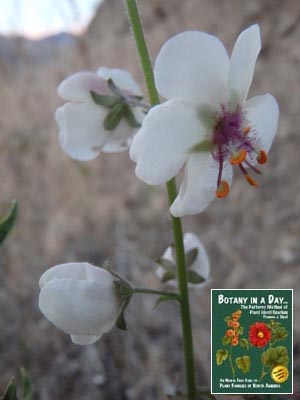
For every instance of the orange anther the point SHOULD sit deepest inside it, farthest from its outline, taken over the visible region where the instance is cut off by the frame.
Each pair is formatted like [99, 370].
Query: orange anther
[247, 129]
[251, 180]
[238, 157]
[262, 157]
[223, 189]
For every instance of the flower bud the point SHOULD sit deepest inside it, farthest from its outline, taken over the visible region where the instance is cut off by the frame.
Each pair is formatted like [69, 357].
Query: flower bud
[197, 263]
[79, 299]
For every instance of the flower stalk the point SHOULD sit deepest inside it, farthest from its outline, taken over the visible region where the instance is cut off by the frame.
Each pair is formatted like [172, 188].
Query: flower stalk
[176, 222]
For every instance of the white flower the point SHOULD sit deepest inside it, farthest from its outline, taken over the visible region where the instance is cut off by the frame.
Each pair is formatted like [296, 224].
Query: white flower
[82, 134]
[79, 299]
[207, 124]
[196, 258]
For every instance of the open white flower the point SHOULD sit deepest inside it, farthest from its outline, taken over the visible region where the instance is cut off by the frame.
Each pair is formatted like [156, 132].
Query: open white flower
[82, 132]
[207, 124]
[198, 267]
[79, 299]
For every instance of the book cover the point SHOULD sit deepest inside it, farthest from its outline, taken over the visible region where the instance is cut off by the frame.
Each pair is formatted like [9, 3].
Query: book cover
[252, 341]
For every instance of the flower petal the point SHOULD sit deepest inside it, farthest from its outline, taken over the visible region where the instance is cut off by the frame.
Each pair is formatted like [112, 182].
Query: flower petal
[77, 87]
[76, 270]
[84, 339]
[163, 143]
[199, 185]
[242, 62]
[82, 134]
[121, 78]
[193, 65]
[80, 307]
[263, 114]
[201, 264]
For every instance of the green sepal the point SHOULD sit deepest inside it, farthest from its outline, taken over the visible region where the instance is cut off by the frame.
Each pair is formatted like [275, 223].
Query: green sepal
[120, 322]
[26, 385]
[104, 100]
[10, 392]
[194, 278]
[203, 146]
[162, 299]
[243, 363]
[221, 356]
[166, 264]
[114, 117]
[8, 221]
[167, 276]
[130, 118]
[191, 256]
[114, 89]
[136, 97]
[124, 293]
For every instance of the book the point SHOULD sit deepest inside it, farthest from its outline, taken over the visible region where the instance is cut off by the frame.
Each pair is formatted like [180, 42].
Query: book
[251, 341]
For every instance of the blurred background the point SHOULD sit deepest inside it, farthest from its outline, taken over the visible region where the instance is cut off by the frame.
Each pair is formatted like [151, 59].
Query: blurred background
[71, 211]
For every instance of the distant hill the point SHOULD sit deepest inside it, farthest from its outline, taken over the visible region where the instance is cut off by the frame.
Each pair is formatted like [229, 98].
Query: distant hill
[40, 51]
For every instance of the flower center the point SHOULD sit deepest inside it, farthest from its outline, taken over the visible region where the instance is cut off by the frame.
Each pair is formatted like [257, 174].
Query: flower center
[234, 141]
[260, 335]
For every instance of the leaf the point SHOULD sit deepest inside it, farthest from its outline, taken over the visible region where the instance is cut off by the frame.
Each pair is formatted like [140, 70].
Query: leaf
[8, 221]
[279, 333]
[226, 340]
[240, 330]
[26, 385]
[221, 356]
[275, 356]
[130, 117]
[104, 100]
[114, 117]
[10, 391]
[228, 318]
[191, 256]
[203, 146]
[243, 363]
[244, 343]
[167, 276]
[166, 264]
[195, 278]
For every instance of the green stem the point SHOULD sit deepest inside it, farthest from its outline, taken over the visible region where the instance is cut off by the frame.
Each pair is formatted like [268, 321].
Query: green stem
[176, 222]
[173, 295]
[231, 364]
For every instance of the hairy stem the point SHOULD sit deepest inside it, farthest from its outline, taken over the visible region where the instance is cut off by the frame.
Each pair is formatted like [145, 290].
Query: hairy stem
[176, 222]
[171, 295]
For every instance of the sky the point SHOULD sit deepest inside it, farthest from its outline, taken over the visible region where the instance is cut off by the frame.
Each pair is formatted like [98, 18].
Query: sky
[40, 18]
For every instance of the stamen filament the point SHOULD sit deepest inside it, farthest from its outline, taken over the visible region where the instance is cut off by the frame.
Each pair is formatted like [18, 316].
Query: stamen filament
[253, 168]
[250, 180]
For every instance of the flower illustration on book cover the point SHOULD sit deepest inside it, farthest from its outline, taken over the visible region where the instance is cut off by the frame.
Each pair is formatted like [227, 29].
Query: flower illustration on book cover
[265, 336]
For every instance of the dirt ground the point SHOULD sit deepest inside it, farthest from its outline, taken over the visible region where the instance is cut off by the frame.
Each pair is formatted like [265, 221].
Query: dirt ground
[71, 211]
